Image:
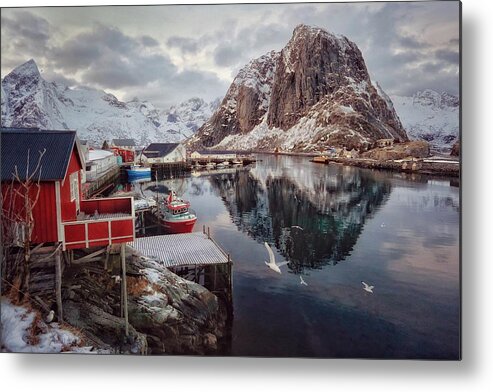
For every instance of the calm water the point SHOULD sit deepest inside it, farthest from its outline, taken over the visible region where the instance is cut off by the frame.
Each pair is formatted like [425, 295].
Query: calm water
[398, 233]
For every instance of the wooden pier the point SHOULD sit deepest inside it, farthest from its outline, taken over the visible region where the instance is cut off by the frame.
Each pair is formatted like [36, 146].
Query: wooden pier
[193, 256]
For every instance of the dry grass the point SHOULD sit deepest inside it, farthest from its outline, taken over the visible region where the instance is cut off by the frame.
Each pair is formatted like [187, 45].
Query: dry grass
[137, 286]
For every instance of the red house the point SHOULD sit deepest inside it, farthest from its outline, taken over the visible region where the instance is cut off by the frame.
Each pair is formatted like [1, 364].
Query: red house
[60, 214]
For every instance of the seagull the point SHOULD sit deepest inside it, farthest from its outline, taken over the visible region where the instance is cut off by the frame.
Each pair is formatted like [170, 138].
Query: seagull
[302, 281]
[51, 315]
[272, 260]
[367, 287]
[117, 278]
[297, 227]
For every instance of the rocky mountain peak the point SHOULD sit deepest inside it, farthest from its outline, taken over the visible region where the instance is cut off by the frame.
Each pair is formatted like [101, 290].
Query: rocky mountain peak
[316, 92]
[28, 70]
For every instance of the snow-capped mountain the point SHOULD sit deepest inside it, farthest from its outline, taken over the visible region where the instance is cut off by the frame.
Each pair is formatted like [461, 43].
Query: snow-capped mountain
[30, 101]
[431, 116]
[316, 92]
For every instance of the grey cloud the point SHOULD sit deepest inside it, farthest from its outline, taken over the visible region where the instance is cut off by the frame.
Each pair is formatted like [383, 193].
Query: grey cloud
[24, 31]
[227, 55]
[148, 41]
[186, 45]
[449, 56]
[56, 77]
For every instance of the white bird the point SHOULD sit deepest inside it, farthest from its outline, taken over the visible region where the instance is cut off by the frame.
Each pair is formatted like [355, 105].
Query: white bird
[382, 225]
[117, 278]
[272, 260]
[367, 287]
[297, 227]
[302, 281]
[51, 315]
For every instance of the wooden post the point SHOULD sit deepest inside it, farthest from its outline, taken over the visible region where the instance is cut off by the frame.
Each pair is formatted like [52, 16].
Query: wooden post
[124, 285]
[208, 232]
[203, 229]
[58, 285]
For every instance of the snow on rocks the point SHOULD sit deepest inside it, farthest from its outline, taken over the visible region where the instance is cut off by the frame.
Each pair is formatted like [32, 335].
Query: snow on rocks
[24, 331]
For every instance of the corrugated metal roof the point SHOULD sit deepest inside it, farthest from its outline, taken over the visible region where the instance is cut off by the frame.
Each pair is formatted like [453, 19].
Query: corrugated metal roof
[16, 143]
[180, 249]
[155, 150]
[123, 142]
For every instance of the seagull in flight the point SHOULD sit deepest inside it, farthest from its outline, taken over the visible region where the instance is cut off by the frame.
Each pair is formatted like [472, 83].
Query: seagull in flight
[367, 287]
[272, 260]
[302, 281]
[297, 227]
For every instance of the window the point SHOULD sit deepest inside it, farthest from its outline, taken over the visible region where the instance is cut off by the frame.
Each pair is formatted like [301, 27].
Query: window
[74, 186]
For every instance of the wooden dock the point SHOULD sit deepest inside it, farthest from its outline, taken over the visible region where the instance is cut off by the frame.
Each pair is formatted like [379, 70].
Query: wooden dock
[195, 257]
[176, 250]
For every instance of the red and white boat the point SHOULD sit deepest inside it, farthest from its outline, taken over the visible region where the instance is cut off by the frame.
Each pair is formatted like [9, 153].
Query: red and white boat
[176, 216]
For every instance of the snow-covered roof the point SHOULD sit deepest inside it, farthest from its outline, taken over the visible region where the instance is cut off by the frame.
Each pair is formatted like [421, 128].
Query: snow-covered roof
[94, 155]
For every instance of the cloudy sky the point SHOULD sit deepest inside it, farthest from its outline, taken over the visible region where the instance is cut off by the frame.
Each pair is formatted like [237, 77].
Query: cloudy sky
[166, 54]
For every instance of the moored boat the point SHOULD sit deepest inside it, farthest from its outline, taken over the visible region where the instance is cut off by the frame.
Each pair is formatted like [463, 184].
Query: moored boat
[176, 216]
[137, 172]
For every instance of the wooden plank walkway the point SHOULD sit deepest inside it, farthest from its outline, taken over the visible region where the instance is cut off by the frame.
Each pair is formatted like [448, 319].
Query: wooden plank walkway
[181, 249]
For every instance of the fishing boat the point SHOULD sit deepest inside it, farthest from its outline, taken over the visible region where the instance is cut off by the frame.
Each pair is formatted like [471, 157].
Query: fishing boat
[176, 216]
[236, 162]
[210, 165]
[136, 172]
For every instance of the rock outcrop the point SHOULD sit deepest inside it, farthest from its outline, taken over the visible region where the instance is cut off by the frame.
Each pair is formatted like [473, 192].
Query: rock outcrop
[415, 149]
[455, 149]
[313, 94]
[177, 316]
[167, 314]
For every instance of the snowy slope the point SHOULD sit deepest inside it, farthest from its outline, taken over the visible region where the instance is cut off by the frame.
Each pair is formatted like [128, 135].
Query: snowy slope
[28, 100]
[431, 116]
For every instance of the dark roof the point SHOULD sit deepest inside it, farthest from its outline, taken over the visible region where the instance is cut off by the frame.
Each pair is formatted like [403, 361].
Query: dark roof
[158, 150]
[217, 152]
[123, 142]
[16, 143]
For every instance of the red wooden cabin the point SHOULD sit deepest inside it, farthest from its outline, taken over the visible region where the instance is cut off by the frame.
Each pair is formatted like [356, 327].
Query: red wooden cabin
[60, 214]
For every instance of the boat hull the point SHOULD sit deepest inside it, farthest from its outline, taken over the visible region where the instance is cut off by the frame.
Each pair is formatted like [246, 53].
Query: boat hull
[138, 174]
[178, 227]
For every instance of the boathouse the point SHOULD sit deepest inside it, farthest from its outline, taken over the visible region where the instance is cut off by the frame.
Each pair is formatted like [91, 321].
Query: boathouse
[60, 214]
[99, 162]
[164, 153]
[124, 148]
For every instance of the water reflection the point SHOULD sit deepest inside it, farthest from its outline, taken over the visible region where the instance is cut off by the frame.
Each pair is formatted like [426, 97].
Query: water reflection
[311, 221]
[399, 232]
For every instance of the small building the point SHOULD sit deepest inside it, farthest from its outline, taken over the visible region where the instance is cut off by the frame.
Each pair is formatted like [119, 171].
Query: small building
[126, 144]
[213, 154]
[385, 143]
[164, 153]
[99, 162]
[125, 148]
[60, 214]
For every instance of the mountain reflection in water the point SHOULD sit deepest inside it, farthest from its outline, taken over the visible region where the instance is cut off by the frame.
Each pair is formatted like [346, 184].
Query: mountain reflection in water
[311, 221]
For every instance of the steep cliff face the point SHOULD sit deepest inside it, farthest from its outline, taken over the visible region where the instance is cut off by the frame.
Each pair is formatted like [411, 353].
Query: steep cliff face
[245, 103]
[315, 93]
